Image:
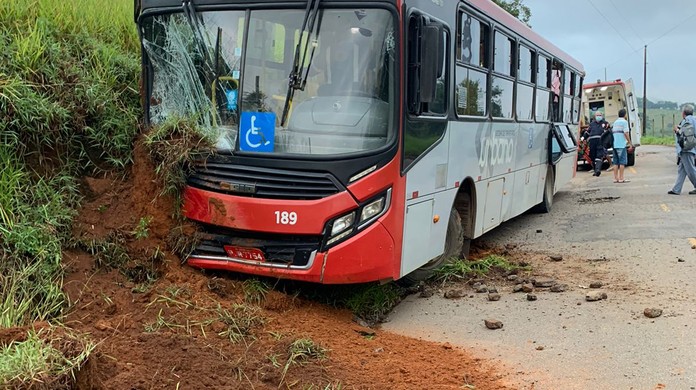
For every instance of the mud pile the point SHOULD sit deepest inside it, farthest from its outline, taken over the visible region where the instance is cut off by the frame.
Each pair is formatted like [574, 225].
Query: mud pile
[161, 324]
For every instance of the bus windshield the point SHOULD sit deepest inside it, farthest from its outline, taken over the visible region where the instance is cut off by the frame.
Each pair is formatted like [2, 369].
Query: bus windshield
[230, 71]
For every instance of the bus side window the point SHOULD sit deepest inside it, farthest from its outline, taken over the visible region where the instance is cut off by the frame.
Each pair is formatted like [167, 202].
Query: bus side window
[556, 89]
[525, 87]
[503, 73]
[569, 109]
[543, 95]
[471, 90]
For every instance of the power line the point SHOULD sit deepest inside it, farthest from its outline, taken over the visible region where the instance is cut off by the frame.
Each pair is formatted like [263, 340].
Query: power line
[672, 29]
[611, 24]
[647, 44]
[622, 58]
[628, 22]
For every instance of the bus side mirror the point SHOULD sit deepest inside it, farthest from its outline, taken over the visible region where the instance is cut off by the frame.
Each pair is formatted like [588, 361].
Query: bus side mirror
[425, 61]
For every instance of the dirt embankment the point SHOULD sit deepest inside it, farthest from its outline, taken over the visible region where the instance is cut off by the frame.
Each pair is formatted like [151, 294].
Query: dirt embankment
[160, 324]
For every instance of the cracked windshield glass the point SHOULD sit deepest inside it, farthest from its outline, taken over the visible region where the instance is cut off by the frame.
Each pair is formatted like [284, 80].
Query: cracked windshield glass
[235, 80]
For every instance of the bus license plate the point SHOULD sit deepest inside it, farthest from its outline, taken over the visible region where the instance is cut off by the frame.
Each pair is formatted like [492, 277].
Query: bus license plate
[244, 253]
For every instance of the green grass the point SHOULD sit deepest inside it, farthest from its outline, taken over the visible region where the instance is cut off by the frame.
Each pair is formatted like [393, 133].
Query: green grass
[43, 360]
[142, 229]
[374, 301]
[255, 291]
[650, 140]
[463, 268]
[69, 106]
[173, 145]
[370, 302]
[301, 351]
[241, 322]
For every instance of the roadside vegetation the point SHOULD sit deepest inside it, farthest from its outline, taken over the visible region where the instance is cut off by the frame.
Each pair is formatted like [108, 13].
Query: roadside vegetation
[462, 269]
[68, 107]
[371, 303]
[650, 140]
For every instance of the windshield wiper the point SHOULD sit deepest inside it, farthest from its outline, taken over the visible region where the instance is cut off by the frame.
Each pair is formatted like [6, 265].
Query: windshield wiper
[195, 24]
[296, 79]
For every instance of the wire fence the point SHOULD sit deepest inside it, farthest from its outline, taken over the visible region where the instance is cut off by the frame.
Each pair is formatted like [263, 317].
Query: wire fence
[661, 124]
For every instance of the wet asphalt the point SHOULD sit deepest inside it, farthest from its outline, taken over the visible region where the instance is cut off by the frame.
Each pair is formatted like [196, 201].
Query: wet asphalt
[635, 239]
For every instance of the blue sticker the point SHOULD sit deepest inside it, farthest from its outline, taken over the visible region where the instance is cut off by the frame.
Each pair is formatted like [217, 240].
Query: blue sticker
[258, 132]
[235, 74]
[231, 99]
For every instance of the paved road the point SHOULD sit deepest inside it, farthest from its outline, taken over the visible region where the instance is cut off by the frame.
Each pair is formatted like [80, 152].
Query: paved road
[629, 236]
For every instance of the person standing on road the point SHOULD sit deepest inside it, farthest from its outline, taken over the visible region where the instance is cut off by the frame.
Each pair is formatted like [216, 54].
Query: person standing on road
[621, 141]
[597, 151]
[686, 157]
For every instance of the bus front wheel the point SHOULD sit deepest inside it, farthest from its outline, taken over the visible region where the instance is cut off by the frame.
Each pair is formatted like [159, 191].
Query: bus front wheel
[454, 243]
[547, 202]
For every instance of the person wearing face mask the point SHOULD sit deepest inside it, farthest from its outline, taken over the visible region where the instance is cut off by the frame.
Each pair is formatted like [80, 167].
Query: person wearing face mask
[594, 136]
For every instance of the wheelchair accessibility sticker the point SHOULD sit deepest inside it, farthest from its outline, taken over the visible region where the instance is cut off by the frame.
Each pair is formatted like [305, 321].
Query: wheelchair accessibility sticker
[257, 130]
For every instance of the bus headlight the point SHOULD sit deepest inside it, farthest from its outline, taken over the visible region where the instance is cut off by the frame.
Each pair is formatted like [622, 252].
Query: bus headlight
[346, 225]
[341, 227]
[342, 223]
[371, 209]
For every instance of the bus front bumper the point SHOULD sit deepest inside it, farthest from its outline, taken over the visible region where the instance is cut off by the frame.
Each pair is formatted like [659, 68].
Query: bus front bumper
[366, 257]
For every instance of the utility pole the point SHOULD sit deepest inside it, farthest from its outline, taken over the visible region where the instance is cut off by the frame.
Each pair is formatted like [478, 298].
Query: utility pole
[645, 87]
[605, 74]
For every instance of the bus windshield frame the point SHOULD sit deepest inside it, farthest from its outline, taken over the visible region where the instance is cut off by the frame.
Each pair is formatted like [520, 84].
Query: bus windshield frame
[231, 69]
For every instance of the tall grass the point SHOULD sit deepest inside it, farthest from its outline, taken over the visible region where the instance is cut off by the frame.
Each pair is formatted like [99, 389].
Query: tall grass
[45, 360]
[69, 106]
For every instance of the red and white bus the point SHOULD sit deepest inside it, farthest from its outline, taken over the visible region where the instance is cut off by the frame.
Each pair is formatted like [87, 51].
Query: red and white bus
[358, 140]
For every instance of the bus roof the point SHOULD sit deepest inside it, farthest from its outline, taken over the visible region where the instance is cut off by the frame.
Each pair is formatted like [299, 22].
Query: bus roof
[486, 6]
[493, 10]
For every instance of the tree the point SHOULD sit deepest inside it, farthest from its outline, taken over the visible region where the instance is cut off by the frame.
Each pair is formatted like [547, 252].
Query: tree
[516, 9]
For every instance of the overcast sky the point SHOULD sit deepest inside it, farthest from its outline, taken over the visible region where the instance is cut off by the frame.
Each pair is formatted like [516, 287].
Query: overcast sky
[668, 27]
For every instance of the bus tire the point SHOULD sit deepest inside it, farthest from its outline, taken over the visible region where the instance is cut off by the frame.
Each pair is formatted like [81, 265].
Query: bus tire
[631, 159]
[547, 202]
[454, 243]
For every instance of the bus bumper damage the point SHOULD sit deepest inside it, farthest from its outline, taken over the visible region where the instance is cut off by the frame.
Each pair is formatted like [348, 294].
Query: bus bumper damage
[283, 250]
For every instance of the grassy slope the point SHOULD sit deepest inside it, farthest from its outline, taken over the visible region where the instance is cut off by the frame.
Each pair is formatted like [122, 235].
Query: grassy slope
[68, 107]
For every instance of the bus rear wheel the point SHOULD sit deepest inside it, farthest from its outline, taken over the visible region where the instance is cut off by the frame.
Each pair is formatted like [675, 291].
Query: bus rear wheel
[454, 243]
[547, 202]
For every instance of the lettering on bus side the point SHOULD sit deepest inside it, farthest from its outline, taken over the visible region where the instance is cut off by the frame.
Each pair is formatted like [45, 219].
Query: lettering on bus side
[497, 149]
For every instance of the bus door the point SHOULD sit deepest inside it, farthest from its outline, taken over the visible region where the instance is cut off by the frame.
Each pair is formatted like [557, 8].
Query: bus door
[562, 151]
